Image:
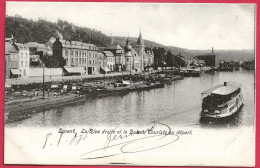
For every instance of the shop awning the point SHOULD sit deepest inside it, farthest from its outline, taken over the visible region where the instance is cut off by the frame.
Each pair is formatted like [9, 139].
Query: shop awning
[75, 70]
[106, 69]
[15, 72]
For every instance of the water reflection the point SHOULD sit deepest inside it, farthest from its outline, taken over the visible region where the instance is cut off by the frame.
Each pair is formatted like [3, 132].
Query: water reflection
[177, 104]
[235, 120]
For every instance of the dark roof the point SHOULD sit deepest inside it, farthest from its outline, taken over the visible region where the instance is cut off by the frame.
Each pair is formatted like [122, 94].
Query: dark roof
[101, 48]
[101, 55]
[114, 47]
[108, 53]
[140, 39]
[32, 44]
[223, 90]
[10, 48]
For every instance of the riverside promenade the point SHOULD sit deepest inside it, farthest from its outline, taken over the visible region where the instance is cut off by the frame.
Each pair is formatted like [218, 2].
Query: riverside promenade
[16, 81]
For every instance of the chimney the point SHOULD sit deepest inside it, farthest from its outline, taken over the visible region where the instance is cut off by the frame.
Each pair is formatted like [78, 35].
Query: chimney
[225, 83]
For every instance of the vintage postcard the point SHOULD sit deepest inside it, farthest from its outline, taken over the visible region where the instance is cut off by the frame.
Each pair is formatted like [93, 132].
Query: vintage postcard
[138, 84]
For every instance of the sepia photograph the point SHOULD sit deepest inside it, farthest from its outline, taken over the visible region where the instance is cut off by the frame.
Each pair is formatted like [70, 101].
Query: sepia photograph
[138, 84]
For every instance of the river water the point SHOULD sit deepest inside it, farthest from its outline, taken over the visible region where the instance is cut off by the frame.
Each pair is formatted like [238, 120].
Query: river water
[177, 104]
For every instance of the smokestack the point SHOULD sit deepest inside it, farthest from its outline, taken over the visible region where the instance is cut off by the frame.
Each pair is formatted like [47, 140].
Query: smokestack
[225, 83]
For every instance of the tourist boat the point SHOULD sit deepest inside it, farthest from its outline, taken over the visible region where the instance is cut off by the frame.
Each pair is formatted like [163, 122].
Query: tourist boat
[222, 100]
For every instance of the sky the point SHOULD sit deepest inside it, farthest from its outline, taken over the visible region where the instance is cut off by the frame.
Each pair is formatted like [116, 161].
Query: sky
[191, 26]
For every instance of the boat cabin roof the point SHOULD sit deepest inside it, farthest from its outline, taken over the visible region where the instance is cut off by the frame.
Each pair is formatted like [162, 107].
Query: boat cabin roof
[222, 89]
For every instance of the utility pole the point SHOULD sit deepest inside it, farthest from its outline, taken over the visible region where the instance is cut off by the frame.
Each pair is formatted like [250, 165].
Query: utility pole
[104, 67]
[43, 84]
[130, 66]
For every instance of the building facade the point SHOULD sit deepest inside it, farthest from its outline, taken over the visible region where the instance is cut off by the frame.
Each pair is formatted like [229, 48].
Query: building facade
[141, 52]
[118, 53]
[102, 63]
[40, 49]
[111, 60]
[77, 54]
[17, 60]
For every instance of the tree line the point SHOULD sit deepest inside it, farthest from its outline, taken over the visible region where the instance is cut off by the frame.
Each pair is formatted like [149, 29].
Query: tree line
[163, 58]
[40, 31]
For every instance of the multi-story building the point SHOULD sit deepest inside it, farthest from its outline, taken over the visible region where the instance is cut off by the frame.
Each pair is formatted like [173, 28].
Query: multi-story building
[111, 62]
[118, 52]
[102, 63]
[82, 56]
[92, 59]
[17, 60]
[40, 49]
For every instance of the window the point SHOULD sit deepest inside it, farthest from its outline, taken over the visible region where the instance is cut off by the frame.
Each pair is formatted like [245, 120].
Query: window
[24, 72]
[127, 59]
[21, 55]
[21, 63]
[89, 62]
[71, 53]
[77, 53]
[26, 54]
[80, 60]
[26, 63]
[66, 52]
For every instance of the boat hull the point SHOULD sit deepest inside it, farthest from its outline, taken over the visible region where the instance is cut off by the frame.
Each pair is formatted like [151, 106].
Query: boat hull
[228, 111]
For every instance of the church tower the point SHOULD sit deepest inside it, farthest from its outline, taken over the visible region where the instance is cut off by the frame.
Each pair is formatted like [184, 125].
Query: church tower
[111, 39]
[140, 47]
[129, 63]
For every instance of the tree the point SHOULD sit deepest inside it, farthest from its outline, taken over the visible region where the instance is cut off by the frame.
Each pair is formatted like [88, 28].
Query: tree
[159, 57]
[50, 62]
[61, 61]
[169, 59]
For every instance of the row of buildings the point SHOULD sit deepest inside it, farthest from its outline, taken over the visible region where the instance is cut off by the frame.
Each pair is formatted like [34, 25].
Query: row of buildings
[81, 58]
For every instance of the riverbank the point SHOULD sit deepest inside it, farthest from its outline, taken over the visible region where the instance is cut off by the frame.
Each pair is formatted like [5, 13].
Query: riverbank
[16, 81]
[22, 108]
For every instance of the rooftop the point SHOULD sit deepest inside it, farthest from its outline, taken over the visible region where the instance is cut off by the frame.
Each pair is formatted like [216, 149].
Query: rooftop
[222, 89]
[114, 47]
[108, 53]
[10, 48]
